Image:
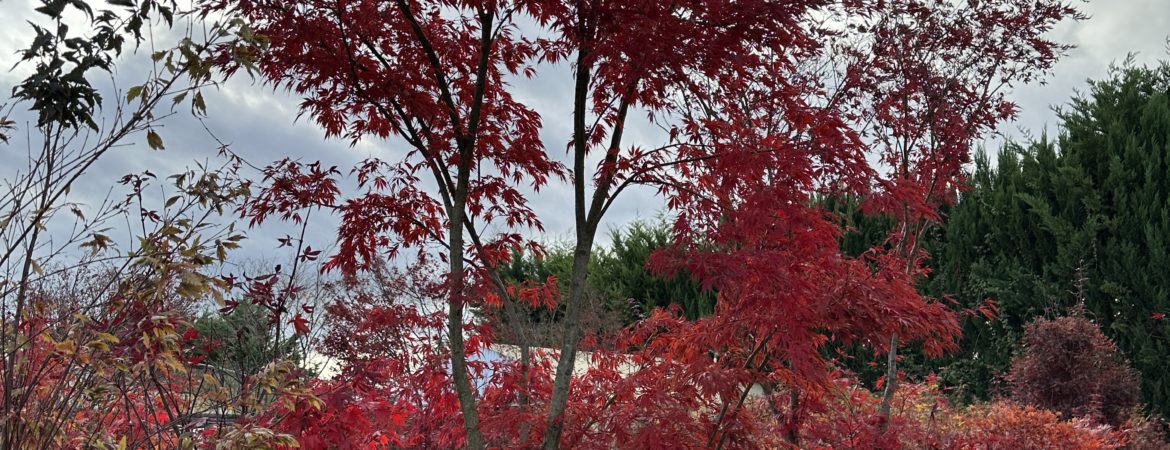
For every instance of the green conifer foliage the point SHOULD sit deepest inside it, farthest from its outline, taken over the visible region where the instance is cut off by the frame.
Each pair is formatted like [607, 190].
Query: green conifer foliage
[619, 275]
[1086, 218]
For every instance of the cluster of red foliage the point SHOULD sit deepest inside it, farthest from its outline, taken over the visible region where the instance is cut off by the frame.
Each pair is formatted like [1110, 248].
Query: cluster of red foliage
[341, 415]
[53, 404]
[629, 400]
[769, 105]
[922, 418]
[1068, 365]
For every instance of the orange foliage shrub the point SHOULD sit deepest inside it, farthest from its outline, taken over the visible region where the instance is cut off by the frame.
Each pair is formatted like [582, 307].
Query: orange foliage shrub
[923, 419]
[1004, 425]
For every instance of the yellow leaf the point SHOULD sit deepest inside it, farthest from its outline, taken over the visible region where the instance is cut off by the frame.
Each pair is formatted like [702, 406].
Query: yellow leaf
[97, 344]
[67, 347]
[174, 364]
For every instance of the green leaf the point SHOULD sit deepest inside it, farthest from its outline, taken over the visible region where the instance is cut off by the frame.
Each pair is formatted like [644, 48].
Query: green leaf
[133, 93]
[154, 140]
[198, 105]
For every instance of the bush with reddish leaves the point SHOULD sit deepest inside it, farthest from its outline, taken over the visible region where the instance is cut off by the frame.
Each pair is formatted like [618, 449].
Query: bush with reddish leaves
[341, 415]
[923, 419]
[1145, 432]
[1068, 365]
[1006, 426]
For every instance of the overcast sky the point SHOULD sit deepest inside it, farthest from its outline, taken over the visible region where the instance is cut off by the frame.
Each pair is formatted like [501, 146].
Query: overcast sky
[259, 123]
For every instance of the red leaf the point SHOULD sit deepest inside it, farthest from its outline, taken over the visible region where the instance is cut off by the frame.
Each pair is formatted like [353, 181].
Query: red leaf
[300, 324]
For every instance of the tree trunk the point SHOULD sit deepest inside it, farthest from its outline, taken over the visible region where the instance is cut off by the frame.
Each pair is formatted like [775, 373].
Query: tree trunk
[586, 228]
[891, 381]
[463, 390]
[554, 424]
[525, 368]
[792, 433]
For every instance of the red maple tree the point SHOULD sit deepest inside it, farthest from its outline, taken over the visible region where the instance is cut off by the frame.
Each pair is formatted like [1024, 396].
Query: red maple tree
[769, 106]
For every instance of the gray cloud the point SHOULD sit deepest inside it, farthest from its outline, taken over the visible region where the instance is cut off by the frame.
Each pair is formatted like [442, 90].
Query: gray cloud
[1115, 28]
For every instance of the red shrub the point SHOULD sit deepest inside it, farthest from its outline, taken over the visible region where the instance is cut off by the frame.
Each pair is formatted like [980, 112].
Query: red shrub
[1068, 365]
[922, 419]
[1145, 433]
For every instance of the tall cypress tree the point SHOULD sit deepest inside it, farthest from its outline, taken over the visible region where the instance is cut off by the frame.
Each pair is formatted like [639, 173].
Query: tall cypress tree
[1084, 219]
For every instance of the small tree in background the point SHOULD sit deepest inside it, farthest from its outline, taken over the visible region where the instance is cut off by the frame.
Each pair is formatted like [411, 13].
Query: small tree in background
[241, 341]
[1068, 365]
[621, 275]
[619, 280]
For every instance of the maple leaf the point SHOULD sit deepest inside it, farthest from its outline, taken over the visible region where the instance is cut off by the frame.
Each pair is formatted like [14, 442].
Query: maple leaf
[300, 324]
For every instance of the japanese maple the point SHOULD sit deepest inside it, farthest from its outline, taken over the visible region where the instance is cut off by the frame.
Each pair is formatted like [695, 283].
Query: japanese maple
[458, 123]
[767, 105]
[909, 82]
